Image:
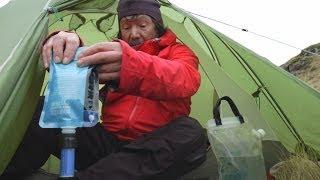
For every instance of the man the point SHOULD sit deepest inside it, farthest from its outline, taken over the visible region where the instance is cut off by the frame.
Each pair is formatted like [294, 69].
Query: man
[146, 132]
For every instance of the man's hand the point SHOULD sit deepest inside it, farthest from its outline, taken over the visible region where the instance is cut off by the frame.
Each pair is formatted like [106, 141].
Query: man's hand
[63, 45]
[107, 56]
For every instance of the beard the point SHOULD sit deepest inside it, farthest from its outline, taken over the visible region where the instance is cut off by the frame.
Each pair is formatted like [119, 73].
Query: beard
[135, 42]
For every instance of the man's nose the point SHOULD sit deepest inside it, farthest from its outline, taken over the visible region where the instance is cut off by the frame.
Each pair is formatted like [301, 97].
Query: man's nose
[135, 33]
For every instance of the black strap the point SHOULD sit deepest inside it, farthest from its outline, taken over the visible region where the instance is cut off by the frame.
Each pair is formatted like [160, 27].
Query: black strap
[216, 110]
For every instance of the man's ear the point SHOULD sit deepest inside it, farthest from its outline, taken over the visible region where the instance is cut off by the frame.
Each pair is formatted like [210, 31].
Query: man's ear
[160, 29]
[119, 35]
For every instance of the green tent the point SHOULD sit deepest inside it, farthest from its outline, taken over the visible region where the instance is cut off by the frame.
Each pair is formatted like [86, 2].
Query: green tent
[271, 99]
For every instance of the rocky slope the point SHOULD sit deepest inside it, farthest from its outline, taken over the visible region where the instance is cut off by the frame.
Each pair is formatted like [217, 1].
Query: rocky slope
[306, 66]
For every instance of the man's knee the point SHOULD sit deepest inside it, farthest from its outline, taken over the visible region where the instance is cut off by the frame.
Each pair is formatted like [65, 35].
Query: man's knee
[189, 127]
[189, 121]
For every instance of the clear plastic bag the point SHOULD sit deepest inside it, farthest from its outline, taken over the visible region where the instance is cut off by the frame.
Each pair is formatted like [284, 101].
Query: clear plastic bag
[237, 147]
[72, 96]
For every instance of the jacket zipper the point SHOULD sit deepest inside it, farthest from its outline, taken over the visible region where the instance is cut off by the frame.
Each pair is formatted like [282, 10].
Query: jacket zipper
[133, 112]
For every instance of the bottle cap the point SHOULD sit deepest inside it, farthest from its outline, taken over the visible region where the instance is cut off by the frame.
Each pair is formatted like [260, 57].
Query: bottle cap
[260, 133]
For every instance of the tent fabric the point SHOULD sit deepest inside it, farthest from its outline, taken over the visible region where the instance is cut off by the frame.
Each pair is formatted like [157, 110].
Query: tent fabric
[21, 75]
[270, 98]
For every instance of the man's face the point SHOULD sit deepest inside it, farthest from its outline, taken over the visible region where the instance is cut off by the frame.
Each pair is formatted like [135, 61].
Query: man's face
[137, 29]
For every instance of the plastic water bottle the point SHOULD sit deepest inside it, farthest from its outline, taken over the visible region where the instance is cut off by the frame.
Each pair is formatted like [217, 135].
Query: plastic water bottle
[238, 150]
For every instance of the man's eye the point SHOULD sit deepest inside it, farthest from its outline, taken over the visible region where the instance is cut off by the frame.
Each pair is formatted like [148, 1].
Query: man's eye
[143, 26]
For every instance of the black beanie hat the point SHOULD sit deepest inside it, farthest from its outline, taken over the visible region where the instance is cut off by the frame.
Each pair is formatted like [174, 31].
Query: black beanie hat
[137, 7]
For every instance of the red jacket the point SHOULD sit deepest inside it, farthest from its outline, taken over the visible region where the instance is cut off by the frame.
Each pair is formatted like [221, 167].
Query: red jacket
[156, 85]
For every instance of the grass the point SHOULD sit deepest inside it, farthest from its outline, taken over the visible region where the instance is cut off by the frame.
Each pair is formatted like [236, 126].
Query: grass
[296, 167]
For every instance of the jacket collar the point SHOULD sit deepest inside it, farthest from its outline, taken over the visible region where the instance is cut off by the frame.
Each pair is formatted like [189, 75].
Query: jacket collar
[167, 38]
[154, 46]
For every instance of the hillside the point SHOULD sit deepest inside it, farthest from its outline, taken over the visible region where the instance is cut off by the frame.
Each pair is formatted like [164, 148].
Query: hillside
[306, 66]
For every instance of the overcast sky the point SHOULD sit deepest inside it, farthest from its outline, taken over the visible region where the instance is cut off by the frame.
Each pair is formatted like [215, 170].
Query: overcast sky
[3, 2]
[296, 22]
